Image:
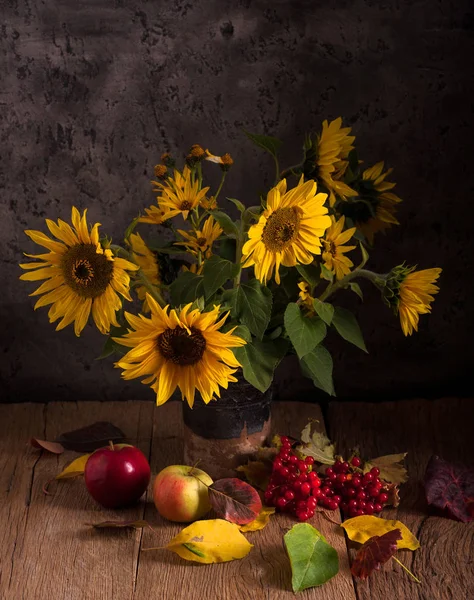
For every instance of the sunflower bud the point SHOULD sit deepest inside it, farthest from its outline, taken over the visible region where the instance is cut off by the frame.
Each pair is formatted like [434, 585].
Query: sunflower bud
[196, 154]
[393, 281]
[160, 171]
[168, 160]
[226, 161]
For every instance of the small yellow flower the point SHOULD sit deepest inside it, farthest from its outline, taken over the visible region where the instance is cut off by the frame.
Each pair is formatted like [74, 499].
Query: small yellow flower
[305, 296]
[181, 193]
[148, 263]
[155, 215]
[160, 171]
[209, 203]
[197, 152]
[201, 240]
[334, 249]
[225, 161]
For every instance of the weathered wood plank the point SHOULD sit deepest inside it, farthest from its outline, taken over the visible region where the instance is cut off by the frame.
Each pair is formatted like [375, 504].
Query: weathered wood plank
[58, 557]
[18, 423]
[444, 561]
[265, 572]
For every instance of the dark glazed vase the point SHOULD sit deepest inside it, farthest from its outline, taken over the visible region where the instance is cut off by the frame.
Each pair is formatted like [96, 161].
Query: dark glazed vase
[226, 432]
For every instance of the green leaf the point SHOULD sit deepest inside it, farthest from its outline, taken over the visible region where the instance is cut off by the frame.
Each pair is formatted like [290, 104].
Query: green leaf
[187, 287]
[324, 310]
[305, 333]
[228, 226]
[348, 328]
[216, 272]
[238, 204]
[313, 560]
[131, 228]
[251, 304]
[326, 273]
[266, 142]
[365, 255]
[252, 212]
[317, 365]
[355, 287]
[310, 273]
[259, 360]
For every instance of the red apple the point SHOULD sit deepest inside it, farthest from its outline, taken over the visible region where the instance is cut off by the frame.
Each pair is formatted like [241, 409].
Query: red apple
[180, 493]
[117, 475]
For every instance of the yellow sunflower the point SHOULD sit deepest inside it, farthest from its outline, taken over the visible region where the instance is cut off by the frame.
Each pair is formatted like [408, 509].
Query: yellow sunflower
[201, 240]
[148, 263]
[81, 277]
[375, 211]
[181, 193]
[415, 296]
[155, 215]
[305, 296]
[334, 146]
[180, 349]
[334, 249]
[289, 230]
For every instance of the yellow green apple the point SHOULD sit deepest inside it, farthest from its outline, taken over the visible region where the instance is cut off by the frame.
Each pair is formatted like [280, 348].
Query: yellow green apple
[180, 493]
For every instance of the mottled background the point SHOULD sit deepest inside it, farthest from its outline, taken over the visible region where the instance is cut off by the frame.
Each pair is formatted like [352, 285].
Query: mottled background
[92, 92]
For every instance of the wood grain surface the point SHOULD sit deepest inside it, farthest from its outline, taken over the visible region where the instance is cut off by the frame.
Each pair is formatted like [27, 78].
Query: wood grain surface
[48, 552]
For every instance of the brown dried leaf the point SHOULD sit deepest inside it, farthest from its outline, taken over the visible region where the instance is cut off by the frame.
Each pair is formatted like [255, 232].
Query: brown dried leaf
[52, 447]
[92, 437]
[234, 500]
[257, 473]
[391, 467]
[120, 524]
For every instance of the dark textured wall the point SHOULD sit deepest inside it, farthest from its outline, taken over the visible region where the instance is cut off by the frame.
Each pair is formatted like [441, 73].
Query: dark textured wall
[92, 91]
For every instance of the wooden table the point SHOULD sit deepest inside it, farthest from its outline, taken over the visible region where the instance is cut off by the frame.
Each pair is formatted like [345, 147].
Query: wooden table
[47, 552]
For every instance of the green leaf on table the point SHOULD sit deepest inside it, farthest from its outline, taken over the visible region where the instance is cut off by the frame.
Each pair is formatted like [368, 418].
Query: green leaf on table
[238, 204]
[259, 360]
[355, 287]
[271, 144]
[324, 310]
[348, 328]
[186, 288]
[305, 333]
[251, 304]
[216, 272]
[310, 273]
[313, 560]
[228, 226]
[317, 365]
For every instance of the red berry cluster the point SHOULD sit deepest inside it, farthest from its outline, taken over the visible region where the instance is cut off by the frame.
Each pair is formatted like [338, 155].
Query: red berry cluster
[295, 488]
[354, 493]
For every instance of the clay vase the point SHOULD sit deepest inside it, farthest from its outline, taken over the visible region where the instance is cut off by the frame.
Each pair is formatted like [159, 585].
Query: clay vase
[227, 432]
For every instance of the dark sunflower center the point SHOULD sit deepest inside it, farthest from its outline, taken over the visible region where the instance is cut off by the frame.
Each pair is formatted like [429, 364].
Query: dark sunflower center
[281, 229]
[186, 205]
[181, 348]
[331, 247]
[85, 271]
[201, 241]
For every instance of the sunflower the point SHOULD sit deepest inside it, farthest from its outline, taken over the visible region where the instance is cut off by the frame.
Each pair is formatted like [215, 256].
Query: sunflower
[375, 209]
[289, 230]
[156, 215]
[334, 249]
[410, 294]
[147, 261]
[180, 349]
[181, 193]
[334, 146]
[201, 240]
[81, 277]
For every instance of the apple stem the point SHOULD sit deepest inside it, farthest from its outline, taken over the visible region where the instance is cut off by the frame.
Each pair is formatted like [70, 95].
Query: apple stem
[196, 477]
[111, 445]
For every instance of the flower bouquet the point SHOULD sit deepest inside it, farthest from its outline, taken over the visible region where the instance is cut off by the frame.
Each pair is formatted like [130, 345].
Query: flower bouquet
[227, 295]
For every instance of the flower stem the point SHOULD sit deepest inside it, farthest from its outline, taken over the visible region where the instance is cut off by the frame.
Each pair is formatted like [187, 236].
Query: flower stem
[290, 170]
[406, 569]
[375, 278]
[224, 174]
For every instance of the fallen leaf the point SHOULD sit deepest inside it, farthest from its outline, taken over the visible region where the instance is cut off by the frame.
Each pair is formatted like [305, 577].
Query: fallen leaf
[361, 529]
[261, 521]
[257, 473]
[234, 500]
[267, 453]
[52, 447]
[91, 437]
[391, 467]
[451, 488]
[374, 553]
[212, 541]
[120, 524]
[74, 469]
[313, 560]
[317, 445]
[393, 493]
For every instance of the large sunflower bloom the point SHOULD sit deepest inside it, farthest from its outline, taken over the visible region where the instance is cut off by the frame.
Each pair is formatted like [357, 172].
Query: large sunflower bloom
[81, 277]
[181, 193]
[334, 249]
[201, 239]
[289, 230]
[180, 349]
[147, 260]
[334, 146]
[415, 297]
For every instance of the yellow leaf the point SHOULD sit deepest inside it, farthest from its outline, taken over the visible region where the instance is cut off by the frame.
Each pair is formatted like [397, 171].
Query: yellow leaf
[212, 541]
[75, 468]
[391, 467]
[361, 529]
[261, 521]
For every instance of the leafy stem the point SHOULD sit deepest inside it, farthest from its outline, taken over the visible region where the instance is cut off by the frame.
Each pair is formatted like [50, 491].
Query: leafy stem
[293, 170]
[375, 278]
[224, 174]
[238, 252]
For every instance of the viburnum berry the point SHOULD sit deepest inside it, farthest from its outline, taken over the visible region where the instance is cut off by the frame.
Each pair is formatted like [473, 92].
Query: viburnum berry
[355, 461]
[375, 471]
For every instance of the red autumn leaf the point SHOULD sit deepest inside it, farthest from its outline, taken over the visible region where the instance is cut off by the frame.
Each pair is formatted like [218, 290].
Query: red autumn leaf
[234, 500]
[451, 488]
[88, 439]
[374, 553]
[52, 447]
